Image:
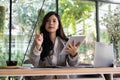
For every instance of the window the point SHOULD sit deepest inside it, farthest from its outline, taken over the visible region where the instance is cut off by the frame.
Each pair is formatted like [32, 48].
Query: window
[78, 17]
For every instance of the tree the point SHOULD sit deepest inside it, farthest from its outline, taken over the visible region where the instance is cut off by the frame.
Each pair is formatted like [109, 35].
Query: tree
[2, 19]
[112, 23]
[72, 11]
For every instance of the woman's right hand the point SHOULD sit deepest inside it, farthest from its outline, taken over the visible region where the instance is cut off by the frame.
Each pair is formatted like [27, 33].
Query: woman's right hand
[39, 40]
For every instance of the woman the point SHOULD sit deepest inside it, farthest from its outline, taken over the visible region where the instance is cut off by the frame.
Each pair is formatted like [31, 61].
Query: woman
[47, 46]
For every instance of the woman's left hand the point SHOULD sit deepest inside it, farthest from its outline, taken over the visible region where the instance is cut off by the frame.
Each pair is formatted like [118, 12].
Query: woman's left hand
[72, 48]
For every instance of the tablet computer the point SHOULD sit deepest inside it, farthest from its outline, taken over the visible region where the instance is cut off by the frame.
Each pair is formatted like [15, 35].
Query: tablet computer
[76, 39]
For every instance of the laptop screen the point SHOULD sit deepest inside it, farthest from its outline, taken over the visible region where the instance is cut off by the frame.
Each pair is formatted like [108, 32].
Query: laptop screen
[103, 55]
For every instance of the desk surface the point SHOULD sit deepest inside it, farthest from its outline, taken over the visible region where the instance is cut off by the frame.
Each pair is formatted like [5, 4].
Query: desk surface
[57, 71]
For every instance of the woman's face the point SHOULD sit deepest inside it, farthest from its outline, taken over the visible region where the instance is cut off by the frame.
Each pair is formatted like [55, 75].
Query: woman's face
[52, 24]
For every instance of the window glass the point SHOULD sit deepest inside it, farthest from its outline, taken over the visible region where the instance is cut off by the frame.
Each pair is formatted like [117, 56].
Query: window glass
[78, 18]
[4, 11]
[26, 17]
[107, 18]
[110, 26]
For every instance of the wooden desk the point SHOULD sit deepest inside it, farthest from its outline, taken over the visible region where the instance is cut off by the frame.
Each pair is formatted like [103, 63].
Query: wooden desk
[57, 71]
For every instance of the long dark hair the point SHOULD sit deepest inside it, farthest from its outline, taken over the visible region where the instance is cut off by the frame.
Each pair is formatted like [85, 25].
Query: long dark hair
[47, 43]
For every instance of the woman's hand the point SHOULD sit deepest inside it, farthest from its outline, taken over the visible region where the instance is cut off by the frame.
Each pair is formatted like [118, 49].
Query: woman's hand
[39, 40]
[72, 48]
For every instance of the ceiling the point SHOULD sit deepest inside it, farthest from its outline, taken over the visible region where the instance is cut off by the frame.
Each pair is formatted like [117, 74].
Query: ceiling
[108, 1]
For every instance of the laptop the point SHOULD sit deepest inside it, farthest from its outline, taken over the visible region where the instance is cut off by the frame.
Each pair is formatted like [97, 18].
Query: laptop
[103, 55]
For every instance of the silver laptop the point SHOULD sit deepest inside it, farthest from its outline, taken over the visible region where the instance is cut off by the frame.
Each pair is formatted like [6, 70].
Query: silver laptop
[103, 55]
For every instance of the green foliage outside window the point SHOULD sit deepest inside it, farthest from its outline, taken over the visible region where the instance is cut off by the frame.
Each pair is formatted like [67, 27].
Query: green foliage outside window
[25, 15]
[112, 23]
[2, 19]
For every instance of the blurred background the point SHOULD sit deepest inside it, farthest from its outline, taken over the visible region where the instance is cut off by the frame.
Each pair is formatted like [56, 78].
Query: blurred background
[79, 17]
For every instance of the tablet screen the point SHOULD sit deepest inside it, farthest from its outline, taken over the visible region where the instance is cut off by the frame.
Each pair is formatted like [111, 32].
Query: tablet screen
[76, 39]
